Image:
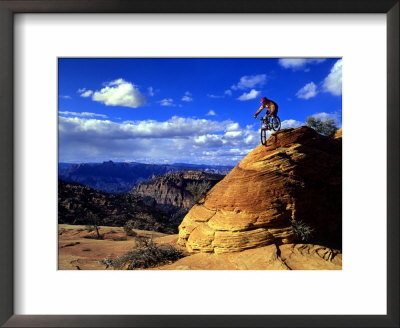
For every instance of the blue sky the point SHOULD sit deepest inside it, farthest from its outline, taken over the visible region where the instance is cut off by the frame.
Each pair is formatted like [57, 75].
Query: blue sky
[185, 109]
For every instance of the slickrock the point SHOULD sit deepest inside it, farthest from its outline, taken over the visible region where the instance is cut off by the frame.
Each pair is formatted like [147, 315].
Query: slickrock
[271, 257]
[297, 175]
[338, 133]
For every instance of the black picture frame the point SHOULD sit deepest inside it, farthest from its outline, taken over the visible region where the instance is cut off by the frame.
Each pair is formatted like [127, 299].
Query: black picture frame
[10, 7]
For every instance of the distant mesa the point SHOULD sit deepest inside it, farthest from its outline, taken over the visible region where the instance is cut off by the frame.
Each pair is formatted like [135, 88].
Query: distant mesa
[296, 177]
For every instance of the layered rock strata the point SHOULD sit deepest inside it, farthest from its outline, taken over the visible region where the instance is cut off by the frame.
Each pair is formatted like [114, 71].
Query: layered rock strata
[296, 176]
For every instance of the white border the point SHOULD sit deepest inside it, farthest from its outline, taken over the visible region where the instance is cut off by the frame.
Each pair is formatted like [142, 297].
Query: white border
[360, 288]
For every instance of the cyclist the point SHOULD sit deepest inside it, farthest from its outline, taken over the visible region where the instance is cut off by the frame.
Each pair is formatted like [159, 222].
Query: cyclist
[271, 107]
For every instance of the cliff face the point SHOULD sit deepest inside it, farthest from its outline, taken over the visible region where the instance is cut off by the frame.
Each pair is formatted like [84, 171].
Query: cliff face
[296, 176]
[172, 188]
[76, 202]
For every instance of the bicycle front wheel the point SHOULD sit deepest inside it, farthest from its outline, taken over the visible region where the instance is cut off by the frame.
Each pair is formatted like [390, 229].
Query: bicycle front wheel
[276, 124]
[263, 136]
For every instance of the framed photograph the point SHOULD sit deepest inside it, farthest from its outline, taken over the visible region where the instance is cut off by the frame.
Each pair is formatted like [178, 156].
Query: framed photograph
[171, 90]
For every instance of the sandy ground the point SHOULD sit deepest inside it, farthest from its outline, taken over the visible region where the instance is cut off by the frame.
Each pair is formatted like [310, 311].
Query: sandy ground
[79, 250]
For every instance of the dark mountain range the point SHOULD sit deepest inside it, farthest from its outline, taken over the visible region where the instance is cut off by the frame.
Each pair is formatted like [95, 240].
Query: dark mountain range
[117, 177]
[76, 203]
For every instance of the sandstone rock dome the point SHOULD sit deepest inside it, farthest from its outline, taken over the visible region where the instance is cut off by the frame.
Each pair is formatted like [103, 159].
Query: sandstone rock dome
[296, 176]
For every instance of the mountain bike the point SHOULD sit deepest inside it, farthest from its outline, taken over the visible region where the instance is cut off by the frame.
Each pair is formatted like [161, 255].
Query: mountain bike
[269, 124]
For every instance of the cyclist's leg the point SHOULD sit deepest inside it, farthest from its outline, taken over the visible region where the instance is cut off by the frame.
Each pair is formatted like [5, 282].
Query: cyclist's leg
[274, 114]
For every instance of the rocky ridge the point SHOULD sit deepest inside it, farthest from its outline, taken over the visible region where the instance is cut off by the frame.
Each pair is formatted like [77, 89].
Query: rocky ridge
[76, 202]
[172, 188]
[296, 177]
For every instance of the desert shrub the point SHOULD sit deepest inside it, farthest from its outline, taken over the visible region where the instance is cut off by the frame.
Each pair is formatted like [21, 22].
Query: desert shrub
[128, 228]
[327, 127]
[302, 231]
[147, 255]
[198, 190]
[86, 250]
[107, 262]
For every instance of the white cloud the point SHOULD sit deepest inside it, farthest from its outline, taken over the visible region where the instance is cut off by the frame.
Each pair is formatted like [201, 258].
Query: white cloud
[299, 63]
[150, 91]
[250, 81]
[120, 93]
[83, 114]
[214, 96]
[65, 97]
[81, 90]
[234, 126]
[308, 91]
[228, 92]
[211, 113]
[167, 102]
[177, 139]
[86, 93]
[187, 97]
[333, 82]
[250, 95]
[290, 124]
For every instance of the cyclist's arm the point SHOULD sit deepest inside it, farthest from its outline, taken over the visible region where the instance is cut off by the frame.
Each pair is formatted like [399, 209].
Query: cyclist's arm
[259, 110]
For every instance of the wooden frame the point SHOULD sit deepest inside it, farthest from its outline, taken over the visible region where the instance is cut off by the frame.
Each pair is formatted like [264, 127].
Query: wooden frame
[7, 10]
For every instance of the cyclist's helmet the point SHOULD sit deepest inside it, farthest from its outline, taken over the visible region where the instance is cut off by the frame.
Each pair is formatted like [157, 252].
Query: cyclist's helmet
[264, 100]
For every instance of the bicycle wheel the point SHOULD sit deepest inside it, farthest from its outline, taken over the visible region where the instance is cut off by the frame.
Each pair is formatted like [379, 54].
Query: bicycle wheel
[264, 136]
[276, 124]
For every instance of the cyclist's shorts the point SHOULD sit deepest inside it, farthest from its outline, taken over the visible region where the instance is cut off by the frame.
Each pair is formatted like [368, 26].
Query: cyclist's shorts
[275, 113]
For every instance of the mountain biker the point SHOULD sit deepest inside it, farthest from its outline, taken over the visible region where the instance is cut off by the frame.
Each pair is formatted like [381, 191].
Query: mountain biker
[271, 107]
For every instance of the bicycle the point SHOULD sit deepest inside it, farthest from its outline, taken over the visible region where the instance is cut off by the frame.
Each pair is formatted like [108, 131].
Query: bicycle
[268, 124]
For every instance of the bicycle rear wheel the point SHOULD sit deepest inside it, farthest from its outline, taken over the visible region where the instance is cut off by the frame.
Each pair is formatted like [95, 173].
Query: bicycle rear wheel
[276, 124]
[264, 136]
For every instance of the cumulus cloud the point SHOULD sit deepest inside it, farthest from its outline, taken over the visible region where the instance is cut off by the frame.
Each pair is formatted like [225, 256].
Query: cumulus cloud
[86, 93]
[333, 82]
[299, 63]
[83, 114]
[250, 81]
[167, 102]
[150, 91]
[308, 91]
[291, 124]
[120, 93]
[177, 139]
[187, 97]
[228, 92]
[211, 113]
[250, 95]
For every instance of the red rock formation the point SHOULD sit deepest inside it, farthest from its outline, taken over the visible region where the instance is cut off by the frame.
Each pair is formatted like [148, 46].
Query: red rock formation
[296, 176]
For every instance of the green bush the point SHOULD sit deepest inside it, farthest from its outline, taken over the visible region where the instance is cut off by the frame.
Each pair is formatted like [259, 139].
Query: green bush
[198, 190]
[128, 228]
[327, 127]
[302, 231]
[147, 255]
